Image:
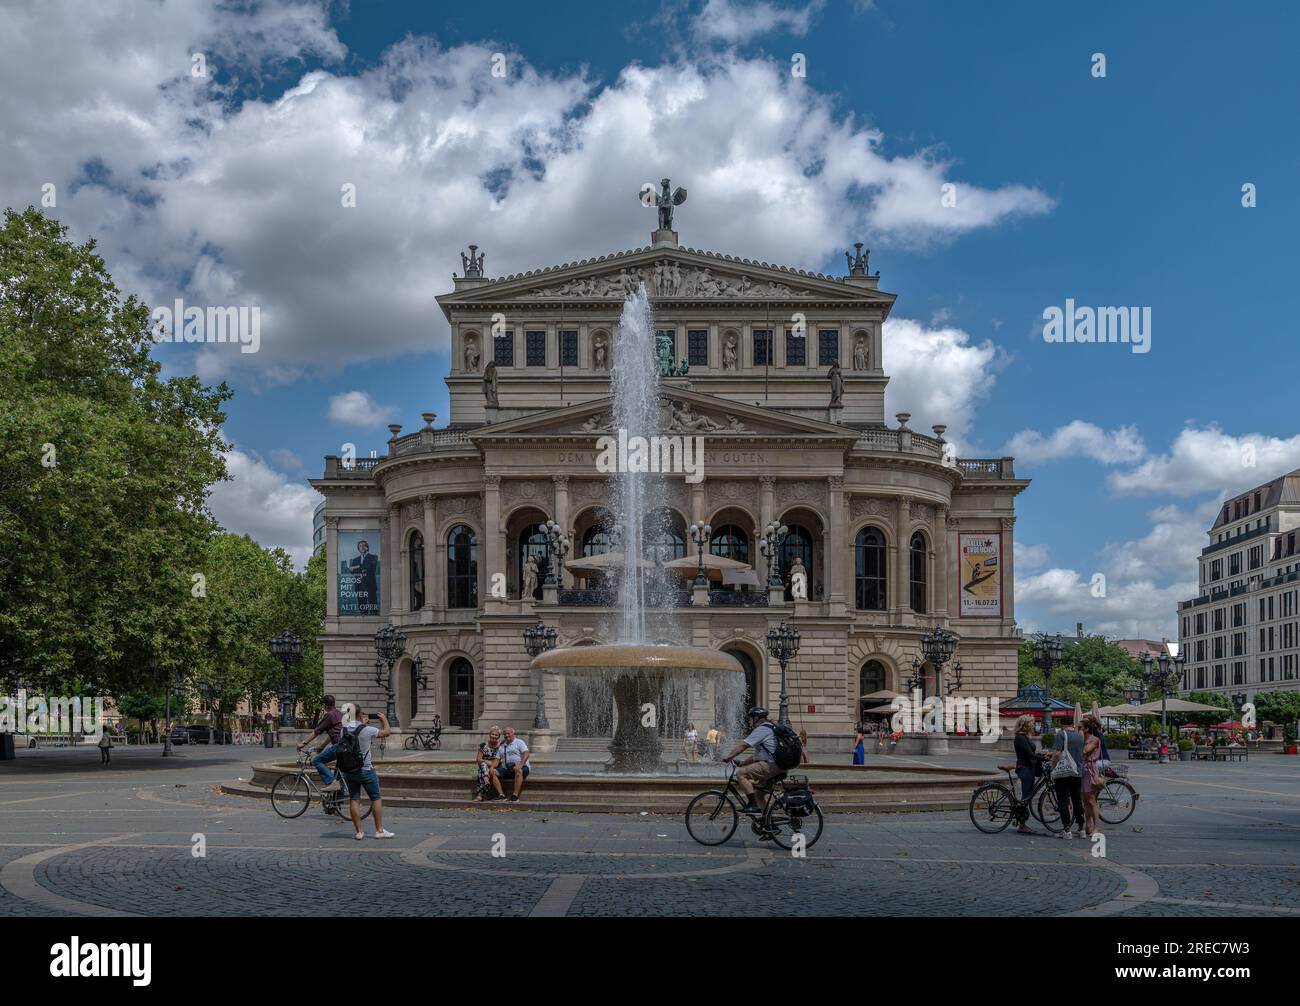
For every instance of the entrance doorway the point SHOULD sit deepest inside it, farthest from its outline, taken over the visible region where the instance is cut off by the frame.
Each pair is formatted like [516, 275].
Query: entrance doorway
[460, 694]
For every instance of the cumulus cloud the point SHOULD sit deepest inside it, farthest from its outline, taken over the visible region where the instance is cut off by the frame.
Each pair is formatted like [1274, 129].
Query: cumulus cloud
[209, 189]
[357, 408]
[1029, 557]
[938, 375]
[734, 23]
[1078, 438]
[266, 505]
[1210, 461]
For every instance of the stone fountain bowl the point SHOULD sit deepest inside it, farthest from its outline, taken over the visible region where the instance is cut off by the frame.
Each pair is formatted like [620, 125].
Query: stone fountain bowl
[615, 659]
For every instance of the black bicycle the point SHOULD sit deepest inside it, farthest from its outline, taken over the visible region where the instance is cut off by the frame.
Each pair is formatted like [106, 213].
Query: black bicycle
[790, 810]
[994, 805]
[430, 739]
[292, 793]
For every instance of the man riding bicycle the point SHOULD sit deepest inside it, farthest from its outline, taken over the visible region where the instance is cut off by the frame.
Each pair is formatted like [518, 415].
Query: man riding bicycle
[761, 767]
[330, 724]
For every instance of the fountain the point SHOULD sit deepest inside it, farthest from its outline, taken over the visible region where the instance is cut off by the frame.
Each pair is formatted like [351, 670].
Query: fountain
[646, 673]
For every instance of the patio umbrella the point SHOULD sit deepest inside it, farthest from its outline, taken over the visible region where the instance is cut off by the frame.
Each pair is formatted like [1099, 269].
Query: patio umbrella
[884, 695]
[879, 711]
[738, 577]
[689, 565]
[606, 562]
[1115, 712]
[1177, 706]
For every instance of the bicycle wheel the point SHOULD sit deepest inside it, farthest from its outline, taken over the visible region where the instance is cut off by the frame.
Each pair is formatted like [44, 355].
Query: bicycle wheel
[1048, 810]
[1116, 801]
[411, 743]
[711, 818]
[291, 795]
[341, 807]
[784, 826]
[991, 808]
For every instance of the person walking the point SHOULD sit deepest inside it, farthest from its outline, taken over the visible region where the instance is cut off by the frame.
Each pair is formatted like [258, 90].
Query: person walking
[1027, 765]
[859, 749]
[1067, 759]
[105, 747]
[1089, 777]
[804, 757]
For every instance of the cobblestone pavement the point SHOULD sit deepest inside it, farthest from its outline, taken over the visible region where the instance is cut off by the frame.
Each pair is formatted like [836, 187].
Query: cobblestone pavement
[1206, 839]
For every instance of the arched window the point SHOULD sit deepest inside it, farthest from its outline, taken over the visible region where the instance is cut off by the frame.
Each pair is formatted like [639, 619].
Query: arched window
[797, 543]
[460, 694]
[871, 678]
[661, 539]
[730, 542]
[918, 551]
[462, 567]
[869, 571]
[596, 540]
[534, 542]
[417, 571]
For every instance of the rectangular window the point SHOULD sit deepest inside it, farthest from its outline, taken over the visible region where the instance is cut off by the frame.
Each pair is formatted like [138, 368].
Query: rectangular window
[828, 347]
[762, 347]
[1218, 619]
[535, 348]
[697, 347]
[1218, 675]
[503, 349]
[1256, 556]
[1234, 564]
[568, 348]
[796, 349]
[1216, 570]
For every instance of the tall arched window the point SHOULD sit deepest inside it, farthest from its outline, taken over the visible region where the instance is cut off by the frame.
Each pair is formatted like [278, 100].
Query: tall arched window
[417, 571]
[797, 543]
[534, 542]
[661, 539]
[918, 552]
[869, 570]
[596, 540]
[871, 678]
[730, 542]
[462, 567]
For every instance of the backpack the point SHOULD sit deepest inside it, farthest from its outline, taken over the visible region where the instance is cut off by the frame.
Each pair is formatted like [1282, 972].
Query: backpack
[788, 751]
[349, 751]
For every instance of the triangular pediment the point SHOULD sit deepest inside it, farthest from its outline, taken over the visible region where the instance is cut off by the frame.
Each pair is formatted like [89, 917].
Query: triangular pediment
[671, 275]
[682, 412]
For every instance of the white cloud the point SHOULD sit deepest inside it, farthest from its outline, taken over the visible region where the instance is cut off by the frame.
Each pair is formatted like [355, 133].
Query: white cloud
[1029, 557]
[357, 408]
[937, 375]
[1211, 461]
[734, 23]
[265, 504]
[1169, 549]
[1079, 438]
[196, 193]
[1137, 609]
[286, 459]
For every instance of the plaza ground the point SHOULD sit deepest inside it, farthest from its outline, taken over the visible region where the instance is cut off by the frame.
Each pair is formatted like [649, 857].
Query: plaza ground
[76, 839]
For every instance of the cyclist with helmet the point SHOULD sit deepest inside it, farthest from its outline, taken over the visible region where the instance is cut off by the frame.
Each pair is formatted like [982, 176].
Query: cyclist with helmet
[761, 766]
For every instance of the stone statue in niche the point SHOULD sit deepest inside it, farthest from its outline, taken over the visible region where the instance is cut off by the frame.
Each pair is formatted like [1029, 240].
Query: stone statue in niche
[837, 385]
[729, 352]
[600, 353]
[471, 354]
[861, 355]
[530, 579]
[798, 580]
[490, 383]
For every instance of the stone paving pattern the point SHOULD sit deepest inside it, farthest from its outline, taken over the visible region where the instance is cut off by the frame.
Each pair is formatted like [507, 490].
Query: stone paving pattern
[1206, 840]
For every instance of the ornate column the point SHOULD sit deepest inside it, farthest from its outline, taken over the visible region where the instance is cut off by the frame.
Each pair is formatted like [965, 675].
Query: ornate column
[331, 567]
[494, 551]
[697, 502]
[397, 601]
[433, 573]
[939, 534]
[561, 483]
[898, 573]
[766, 487]
[836, 546]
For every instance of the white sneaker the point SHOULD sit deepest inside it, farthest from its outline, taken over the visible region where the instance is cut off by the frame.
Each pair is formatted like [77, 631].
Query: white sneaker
[384, 834]
[1067, 834]
[358, 836]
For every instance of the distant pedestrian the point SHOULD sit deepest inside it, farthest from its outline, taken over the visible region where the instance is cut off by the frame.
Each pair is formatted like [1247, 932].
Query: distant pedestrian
[1027, 765]
[859, 749]
[804, 758]
[1067, 757]
[691, 743]
[105, 747]
[1089, 779]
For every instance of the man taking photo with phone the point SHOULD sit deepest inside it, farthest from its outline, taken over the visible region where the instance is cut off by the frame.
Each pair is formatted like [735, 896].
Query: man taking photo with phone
[357, 770]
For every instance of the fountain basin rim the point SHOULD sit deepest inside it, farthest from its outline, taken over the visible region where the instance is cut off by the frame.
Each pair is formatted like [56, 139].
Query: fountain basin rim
[631, 658]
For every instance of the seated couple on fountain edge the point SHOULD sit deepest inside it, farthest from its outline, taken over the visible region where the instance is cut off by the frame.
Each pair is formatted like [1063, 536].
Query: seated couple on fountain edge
[776, 749]
[502, 756]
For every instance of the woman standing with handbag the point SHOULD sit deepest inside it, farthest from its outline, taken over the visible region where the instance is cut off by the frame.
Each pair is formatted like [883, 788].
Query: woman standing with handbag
[1091, 778]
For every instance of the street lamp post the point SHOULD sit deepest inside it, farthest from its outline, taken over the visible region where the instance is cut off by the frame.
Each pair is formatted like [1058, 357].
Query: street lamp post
[1166, 674]
[769, 544]
[783, 646]
[559, 549]
[287, 648]
[701, 534]
[1047, 657]
[537, 640]
[938, 645]
[390, 644]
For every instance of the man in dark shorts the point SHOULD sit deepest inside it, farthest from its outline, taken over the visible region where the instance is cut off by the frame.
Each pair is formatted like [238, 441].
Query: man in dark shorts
[366, 778]
[514, 765]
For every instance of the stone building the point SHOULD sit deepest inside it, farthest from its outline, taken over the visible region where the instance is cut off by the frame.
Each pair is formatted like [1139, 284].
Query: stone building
[1241, 635]
[897, 534]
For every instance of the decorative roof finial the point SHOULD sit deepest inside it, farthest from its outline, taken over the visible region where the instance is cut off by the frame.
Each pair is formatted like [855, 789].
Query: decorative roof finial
[858, 262]
[472, 264]
[665, 200]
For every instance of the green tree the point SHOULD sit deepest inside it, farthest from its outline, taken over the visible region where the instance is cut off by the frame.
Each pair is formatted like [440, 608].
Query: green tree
[104, 474]
[1092, 669]
[143, 706]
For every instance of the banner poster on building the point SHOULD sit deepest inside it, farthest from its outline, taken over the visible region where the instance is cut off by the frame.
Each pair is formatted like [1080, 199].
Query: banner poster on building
[979, 559]
[358, 572]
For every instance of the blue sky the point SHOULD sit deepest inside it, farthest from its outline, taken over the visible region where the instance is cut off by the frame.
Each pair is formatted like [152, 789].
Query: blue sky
[1122, 190]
